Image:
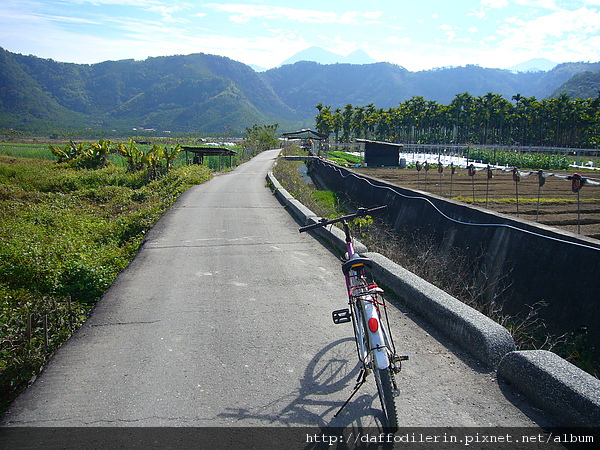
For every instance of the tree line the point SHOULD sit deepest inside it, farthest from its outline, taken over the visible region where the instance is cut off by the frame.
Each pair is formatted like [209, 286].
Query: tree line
[485, 120]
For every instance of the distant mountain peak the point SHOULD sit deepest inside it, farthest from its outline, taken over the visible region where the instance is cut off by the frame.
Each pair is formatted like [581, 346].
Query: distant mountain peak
[534, 65]
[359, 57]
[322, 56]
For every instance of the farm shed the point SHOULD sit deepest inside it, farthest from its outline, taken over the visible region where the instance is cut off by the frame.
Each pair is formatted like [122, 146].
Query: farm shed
[200, 152]
[308, 137]
[379, 153]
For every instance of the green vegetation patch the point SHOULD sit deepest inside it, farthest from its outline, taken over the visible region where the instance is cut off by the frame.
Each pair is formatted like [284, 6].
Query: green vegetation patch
[534, 161]
[344, 158]
[323, 203]
[65, 234]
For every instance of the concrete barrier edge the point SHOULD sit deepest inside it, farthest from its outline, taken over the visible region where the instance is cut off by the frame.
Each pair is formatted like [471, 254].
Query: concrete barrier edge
[548, 380]
[569, 392]
[305, 216]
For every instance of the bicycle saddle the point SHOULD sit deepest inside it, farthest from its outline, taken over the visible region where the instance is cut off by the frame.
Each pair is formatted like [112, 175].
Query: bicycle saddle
[356, 262]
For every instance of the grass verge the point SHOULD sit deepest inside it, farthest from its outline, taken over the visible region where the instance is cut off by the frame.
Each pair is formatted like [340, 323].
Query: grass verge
[65, 235]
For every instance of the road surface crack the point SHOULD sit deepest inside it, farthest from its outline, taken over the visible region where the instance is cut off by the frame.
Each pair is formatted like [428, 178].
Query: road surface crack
[110, 324]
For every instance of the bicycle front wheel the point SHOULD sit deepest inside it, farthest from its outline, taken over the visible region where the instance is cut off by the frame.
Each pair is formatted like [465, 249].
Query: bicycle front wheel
[383, 378]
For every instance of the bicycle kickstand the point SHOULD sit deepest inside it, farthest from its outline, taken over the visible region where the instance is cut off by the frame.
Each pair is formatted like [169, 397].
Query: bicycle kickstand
[362, 377]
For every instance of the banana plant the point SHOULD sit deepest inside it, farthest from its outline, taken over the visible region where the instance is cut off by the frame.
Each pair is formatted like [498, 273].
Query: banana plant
[69, 152]
[96, 155]
[152, 161]
[132, 154]
[169, 155]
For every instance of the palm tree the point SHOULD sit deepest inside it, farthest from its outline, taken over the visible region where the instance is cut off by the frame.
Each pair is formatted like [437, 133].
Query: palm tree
[337, 124]
[520, 117]
[371, 119]
[347, 122]
[324, 119]
[461, 114]
[358, 121]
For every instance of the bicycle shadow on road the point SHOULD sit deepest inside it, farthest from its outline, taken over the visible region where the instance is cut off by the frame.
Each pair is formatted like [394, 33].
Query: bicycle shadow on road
[327, 382]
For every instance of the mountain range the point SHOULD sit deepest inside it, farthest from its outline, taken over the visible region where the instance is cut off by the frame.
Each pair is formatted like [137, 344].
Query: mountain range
[214, 94]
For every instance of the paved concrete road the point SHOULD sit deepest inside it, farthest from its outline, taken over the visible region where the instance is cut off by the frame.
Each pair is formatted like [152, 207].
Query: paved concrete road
[223, 319]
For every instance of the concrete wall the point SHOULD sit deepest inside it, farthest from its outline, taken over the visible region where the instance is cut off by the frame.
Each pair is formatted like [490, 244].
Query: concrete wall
[532, 263]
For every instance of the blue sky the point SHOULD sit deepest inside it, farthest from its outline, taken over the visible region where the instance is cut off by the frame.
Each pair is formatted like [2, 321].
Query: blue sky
[415, 34]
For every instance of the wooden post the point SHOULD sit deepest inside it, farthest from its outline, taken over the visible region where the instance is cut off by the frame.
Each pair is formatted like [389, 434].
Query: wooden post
[541, 182]
[578, 212]
[516, 178]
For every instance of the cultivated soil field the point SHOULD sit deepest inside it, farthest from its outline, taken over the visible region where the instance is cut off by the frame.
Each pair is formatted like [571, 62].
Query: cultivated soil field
[558, 204]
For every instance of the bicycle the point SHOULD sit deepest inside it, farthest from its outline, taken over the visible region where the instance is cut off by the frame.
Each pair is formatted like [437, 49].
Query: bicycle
[374, 343]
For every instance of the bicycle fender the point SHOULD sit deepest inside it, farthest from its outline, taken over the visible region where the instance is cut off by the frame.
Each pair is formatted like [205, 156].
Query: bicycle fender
[379, 348]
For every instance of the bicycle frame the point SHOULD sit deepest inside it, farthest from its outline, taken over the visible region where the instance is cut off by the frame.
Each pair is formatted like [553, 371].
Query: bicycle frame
[370, 331]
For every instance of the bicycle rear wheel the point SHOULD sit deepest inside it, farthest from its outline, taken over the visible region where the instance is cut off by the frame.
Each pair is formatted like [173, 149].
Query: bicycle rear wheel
[383, 378]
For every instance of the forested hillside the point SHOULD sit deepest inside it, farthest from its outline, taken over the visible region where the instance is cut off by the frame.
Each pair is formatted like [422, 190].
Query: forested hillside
[304, 84]
[583, 85]
[22, 99]
[199, 92]
[214, 94]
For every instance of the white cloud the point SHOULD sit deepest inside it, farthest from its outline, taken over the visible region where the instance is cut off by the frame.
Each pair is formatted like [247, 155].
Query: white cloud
[374, 15]
[566, 24]
[165, 10]
[562, 36]
[494, 3]
[142, 3]
[244, 13]
[395, 40]
[542, 4]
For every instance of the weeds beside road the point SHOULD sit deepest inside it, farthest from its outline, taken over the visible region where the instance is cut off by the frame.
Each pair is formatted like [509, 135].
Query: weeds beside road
[65, 235]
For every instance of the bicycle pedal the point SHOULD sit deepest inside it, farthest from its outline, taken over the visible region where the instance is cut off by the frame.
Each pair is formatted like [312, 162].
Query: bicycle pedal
[341, 316]
[397, 363]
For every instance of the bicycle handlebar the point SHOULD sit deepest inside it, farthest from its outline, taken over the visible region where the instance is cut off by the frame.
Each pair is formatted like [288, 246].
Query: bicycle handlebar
[359, 213]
